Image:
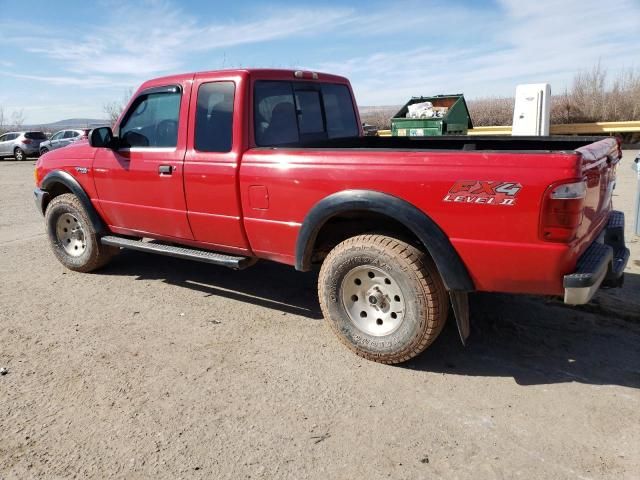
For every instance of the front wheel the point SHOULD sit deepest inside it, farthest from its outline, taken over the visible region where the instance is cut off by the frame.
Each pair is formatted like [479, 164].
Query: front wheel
[43, 151]
[19, 154]
[382, 297]
[72, 237]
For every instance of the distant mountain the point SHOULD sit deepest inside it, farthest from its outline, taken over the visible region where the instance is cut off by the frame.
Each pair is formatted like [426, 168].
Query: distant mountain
[79, 122]
[68, 123]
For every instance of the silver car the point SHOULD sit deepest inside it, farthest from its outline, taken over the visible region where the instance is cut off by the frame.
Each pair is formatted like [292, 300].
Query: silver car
[62, 139]
[20, 145]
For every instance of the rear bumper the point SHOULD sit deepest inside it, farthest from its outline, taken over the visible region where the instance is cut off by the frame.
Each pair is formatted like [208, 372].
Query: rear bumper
[601, 265]
[30, 149]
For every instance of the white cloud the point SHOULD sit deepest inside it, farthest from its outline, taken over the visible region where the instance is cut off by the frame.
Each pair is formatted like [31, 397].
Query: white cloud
[526, 42]
[164, 36]
[408, 48]
[91, 81]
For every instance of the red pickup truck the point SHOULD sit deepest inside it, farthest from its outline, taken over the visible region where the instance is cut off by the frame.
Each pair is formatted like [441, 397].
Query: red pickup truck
[228, 167]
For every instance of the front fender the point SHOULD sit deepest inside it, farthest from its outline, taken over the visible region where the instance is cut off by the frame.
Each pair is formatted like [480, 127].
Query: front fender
[61, 177]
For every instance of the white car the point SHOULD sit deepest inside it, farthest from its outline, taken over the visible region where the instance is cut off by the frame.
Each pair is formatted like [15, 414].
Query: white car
[62, 139]
[21, 145]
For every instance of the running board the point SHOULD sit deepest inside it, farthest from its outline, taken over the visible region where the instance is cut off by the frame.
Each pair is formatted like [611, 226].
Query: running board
[206, 256]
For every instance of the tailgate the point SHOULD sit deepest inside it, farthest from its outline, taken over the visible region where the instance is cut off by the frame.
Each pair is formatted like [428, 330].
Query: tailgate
[598, 164]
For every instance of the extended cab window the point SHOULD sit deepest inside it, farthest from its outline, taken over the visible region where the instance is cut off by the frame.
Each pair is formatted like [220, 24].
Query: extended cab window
[288, 112]
[152, 120]
[214, 117]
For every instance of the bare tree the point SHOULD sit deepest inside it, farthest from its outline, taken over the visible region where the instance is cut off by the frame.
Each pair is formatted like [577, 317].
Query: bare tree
[17, 119]
[114, 109]
[591, 98]
[378, 116]
[491, 111]
[2, 127]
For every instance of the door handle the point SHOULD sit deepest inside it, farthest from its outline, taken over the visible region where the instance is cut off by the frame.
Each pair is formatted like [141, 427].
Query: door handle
[165, 169]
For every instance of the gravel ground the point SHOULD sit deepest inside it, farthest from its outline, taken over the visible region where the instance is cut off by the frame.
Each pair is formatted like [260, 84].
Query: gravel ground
[160, 368]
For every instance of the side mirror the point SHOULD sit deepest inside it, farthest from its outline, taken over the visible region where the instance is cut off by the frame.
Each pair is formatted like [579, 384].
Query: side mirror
[101, 138]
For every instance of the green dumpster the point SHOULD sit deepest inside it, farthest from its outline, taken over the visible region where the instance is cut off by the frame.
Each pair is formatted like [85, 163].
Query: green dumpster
[437, 115]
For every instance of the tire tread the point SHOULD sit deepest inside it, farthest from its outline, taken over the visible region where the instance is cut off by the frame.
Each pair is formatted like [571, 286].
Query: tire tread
[100, 254]
[434, 297]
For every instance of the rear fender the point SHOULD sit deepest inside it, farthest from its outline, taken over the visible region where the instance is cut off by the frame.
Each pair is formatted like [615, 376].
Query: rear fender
[453, 272]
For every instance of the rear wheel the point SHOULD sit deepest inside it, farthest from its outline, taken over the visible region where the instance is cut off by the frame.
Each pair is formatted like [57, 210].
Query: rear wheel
[19, 154]
[383, 297]
[72, 236]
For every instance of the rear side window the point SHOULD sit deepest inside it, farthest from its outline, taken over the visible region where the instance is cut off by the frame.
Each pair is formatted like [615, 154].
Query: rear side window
[152, 120]
[35, 135]
[214, 117]
[289, 112]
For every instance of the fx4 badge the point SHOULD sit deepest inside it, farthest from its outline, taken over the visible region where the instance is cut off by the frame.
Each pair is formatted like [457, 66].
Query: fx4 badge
[483, 192]
[82, 170]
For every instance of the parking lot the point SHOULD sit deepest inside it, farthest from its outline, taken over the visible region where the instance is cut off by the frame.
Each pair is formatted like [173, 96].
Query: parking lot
[172, 369]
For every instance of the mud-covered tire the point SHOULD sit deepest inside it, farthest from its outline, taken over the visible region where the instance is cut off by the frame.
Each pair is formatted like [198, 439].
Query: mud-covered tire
[67, 224]
[399, 279]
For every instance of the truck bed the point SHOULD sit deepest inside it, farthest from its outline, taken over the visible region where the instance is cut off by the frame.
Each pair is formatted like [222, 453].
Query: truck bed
[455, 142]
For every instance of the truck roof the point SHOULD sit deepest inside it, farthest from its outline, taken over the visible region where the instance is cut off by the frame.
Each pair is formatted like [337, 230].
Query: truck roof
[261, 72]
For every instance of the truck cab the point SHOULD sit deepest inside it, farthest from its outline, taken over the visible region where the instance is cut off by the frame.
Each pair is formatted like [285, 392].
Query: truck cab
[170, 158]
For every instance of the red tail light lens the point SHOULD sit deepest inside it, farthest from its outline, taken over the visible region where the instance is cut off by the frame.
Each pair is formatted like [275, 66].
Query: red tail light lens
[562, 211]
[27, 141]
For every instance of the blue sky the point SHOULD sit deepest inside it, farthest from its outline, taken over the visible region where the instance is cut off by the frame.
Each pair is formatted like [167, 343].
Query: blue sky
[67, 59]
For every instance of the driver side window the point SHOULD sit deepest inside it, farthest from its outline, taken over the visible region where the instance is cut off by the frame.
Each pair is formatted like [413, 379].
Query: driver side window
[152, 121]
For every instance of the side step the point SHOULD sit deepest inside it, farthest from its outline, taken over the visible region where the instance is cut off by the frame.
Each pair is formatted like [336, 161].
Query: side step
[206, 256]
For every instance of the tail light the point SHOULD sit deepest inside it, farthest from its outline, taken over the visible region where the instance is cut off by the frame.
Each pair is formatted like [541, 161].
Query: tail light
[27, 141]
[562, 211]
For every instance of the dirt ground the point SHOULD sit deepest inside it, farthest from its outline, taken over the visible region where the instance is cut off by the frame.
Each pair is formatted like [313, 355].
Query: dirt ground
[160, 368]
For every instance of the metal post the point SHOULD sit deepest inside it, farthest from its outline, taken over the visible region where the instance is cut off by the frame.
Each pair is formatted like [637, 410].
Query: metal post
[637, 168]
